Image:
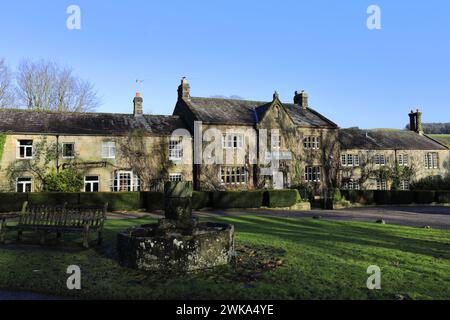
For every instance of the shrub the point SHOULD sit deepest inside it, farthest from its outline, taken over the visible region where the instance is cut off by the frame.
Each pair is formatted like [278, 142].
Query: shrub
[337, 196]
[237, 199]
[10, 202]
[281, 198]
[421, 196]
[201, 200]
[67, 180]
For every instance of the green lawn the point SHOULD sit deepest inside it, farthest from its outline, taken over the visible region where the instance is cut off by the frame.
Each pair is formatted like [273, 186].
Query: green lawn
[443, 138]
[322, 260]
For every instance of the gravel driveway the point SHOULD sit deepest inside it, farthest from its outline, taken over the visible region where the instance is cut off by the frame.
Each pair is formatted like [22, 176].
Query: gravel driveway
[433, 216]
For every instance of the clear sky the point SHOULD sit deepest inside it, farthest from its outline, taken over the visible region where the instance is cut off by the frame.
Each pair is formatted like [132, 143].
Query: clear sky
[354, 76]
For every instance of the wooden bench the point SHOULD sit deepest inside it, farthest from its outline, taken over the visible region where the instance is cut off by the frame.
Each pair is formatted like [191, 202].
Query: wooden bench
[60, 219]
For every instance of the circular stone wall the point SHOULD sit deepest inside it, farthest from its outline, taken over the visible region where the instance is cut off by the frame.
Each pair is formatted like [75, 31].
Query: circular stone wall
[150, 248]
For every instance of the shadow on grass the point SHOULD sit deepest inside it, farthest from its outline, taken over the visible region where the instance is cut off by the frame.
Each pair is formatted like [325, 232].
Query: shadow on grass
[324, 233]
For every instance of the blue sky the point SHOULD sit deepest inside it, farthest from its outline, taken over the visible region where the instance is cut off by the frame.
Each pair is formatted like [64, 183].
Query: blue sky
[354, 76]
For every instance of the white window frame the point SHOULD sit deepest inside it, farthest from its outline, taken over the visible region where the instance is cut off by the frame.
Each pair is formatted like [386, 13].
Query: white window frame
[344, 160]
[276, 141]
[312, 174]
[404, 185]
[25, 148]
[108, 150]
[381, 184]
[62, 150]
[351, 185]
[431, 160]
[350, 160]
[91, 183]
[356, 160]
[176, 148]
[116, 179]
[230, 175]
[232, 141]
[403, 160]
[23, 184]
[311, 142]
[380, 159]
[175, 177]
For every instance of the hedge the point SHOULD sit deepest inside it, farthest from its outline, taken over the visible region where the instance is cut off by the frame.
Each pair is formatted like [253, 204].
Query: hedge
[10, 202]
[424, 196]
[153, 200]
[53, 198]
[281, 198]
[393, 197]
[443, 196]
[117, 201]
[359, 196]
[201, 200]
[237, 199]
[396, 197]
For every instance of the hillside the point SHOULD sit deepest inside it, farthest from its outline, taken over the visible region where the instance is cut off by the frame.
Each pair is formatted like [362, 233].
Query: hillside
[443, 138]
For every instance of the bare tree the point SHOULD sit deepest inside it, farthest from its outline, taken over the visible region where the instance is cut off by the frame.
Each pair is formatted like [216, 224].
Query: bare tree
[6, 91]
[44, 85]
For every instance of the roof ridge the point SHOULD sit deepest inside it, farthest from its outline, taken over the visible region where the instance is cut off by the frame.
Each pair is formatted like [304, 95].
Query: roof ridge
[232, 99]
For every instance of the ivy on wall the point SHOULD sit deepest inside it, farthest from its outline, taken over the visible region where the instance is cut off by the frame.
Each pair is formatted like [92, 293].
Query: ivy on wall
[2, 144]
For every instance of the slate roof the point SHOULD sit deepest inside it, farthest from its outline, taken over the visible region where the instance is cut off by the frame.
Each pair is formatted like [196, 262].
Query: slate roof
[26, 121]
[246, 112]
[387, 140]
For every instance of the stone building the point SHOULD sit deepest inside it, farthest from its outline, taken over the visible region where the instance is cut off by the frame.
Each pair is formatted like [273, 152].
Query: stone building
[217, 143]
[382, 160]
[304, 142]
[106, 147]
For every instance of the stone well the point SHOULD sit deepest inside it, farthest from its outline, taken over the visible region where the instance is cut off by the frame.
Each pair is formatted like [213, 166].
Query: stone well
[178, 242]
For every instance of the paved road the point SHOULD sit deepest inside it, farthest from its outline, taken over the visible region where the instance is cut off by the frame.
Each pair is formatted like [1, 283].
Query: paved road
[435, 217]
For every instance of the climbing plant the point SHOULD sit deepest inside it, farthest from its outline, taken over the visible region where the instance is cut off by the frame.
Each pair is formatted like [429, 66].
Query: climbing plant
[2, 144]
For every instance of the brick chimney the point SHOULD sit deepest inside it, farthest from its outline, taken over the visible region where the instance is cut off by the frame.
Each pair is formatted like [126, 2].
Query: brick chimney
[184, 90]
[137, 102]
[301, 99]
